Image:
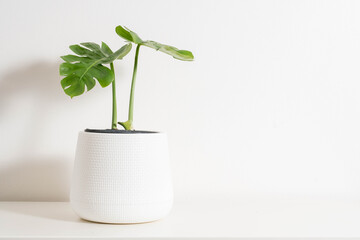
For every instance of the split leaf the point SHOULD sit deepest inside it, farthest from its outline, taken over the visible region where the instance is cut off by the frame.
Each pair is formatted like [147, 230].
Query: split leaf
[131, 36]
[87, 66]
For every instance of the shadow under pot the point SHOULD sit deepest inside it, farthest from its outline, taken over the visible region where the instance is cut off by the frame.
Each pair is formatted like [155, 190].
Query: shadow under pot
[121, 176]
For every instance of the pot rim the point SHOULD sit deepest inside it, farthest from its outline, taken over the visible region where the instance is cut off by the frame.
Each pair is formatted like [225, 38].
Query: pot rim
[120, 132]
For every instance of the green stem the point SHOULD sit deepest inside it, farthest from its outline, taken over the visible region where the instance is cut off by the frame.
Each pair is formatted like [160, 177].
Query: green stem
[114, 107]
[128, 124]
[131, 103]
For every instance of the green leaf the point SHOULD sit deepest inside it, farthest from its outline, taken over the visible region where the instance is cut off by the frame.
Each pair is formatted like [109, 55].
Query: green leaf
[131, 36]
[94, 47]
[68, 68]
[89, 82]
[119, 54]
[84, 52]
[128, 35]
[122, 52]
[72, 86]
[73, 58]
[82, 71]
[183, 55]
[79, 75]
[105, 49]
[104, 75]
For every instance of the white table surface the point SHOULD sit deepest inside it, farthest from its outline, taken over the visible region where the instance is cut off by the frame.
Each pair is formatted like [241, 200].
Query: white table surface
[194, 218]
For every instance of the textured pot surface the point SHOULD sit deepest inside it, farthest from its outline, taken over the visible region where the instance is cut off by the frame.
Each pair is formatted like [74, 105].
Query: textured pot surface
[121, 178]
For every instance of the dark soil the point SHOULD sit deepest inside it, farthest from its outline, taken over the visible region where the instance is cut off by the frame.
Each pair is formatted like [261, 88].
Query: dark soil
[116, 131]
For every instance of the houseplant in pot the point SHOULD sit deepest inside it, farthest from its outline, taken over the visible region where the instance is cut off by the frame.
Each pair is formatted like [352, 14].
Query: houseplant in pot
[120, 176]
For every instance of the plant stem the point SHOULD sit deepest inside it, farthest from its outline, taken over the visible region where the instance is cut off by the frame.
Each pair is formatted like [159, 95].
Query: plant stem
[114, 107]
[128, 124]
[131, 102]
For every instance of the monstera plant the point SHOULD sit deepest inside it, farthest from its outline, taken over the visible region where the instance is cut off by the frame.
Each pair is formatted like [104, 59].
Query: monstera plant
[81, 71]
[120, 176]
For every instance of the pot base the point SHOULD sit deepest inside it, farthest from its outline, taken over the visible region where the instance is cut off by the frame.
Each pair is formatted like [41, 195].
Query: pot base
[122, 214]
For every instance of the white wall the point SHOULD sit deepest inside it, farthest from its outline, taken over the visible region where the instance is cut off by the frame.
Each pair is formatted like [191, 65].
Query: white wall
[270, 106]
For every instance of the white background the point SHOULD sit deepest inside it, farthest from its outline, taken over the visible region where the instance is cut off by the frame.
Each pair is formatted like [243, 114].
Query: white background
[271, 105]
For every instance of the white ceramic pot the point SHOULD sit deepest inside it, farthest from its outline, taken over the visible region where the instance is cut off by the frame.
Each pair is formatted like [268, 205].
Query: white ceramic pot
[121, 177]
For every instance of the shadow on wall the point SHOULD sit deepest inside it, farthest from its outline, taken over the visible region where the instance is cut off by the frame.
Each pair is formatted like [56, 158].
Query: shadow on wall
[35, 180]
[41, 80]
[25, 176]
